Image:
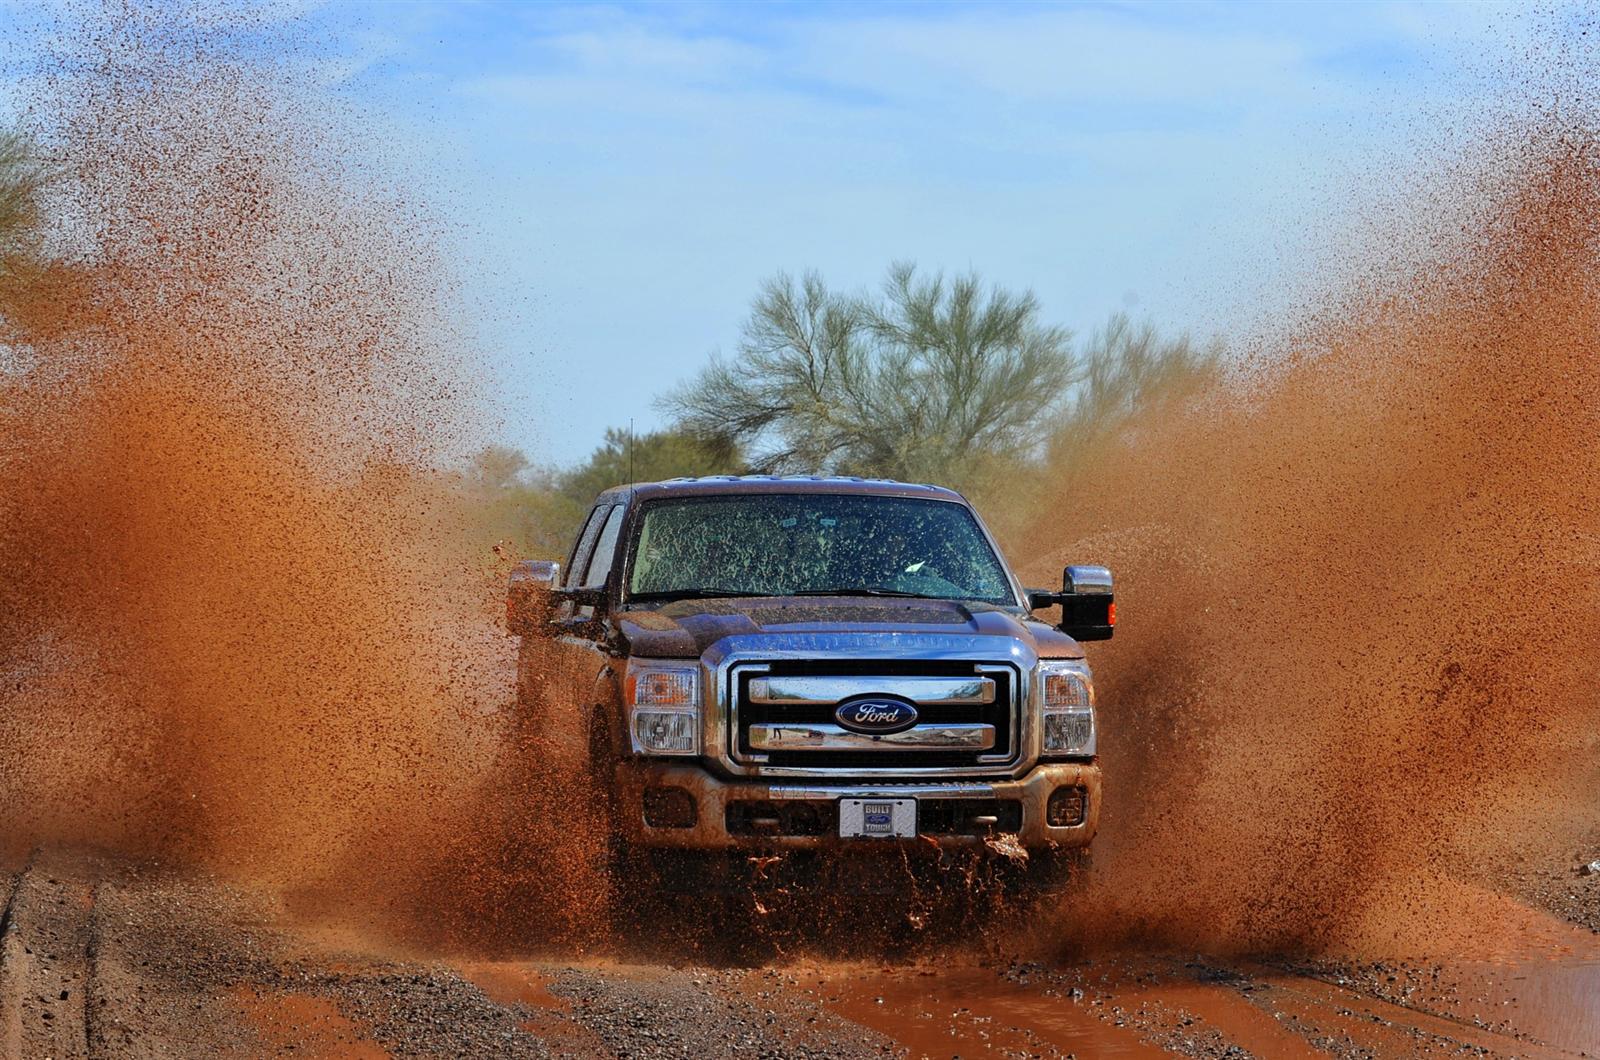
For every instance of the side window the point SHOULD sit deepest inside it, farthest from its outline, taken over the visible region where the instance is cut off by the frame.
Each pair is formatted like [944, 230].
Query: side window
[580, 551]
[604, 550]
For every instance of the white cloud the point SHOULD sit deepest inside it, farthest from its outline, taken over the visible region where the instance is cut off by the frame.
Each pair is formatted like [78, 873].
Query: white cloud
[632, 172]
[634, 53]
[1047, 55]
[1175, 152]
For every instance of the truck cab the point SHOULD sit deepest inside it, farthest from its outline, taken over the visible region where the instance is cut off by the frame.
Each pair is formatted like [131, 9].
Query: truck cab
[779, 665]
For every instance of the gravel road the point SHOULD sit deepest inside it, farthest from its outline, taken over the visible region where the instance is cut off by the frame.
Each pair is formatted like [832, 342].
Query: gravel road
[99, 959]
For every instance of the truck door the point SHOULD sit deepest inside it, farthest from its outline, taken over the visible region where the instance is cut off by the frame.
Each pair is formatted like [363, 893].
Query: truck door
[551, 670]
[581, 634]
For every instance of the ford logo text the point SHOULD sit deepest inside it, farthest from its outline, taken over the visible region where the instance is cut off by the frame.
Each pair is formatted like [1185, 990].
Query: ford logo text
[874, 715]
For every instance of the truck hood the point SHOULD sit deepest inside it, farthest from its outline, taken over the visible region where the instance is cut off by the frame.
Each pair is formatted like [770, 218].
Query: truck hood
[685, 629]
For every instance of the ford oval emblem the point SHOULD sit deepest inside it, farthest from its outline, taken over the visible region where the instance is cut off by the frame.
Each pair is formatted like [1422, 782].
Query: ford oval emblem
[875, 715]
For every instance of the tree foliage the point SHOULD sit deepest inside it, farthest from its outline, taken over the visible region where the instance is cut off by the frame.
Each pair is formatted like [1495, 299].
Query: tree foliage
[933, 379]
[648, 458]
[1128, 370]
[538, 510]
[22, 179]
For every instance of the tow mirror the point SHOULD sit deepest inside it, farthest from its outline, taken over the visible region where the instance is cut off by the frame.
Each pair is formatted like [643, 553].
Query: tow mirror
[1088, 605]
[530, 596]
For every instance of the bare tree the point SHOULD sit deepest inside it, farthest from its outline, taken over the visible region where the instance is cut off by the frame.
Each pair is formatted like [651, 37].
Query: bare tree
[933, 379]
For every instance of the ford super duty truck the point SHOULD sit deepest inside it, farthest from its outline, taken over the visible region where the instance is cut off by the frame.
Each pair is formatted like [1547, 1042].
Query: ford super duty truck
[784, 672]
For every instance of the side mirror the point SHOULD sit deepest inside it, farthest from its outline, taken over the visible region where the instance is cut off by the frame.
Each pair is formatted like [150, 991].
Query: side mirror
[1088, 605]
[529, 596]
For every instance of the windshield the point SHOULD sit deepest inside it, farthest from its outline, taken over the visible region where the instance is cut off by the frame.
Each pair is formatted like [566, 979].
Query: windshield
[814, 544]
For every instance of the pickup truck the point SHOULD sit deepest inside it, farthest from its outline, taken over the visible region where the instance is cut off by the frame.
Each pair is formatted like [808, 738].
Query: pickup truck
[776, 674]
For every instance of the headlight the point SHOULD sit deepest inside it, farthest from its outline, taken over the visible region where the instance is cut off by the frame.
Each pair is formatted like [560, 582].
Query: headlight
[663, 701]
[1066, 697]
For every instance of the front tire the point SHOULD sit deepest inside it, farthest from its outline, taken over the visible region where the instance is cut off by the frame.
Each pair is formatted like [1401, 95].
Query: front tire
[635, 903]
[615, 854]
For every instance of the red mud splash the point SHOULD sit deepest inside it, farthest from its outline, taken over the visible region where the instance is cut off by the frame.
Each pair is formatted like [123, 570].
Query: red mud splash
[1359, 590]
[235, 622]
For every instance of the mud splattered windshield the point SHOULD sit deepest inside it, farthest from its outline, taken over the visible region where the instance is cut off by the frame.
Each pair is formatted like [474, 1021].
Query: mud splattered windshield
[813, 544]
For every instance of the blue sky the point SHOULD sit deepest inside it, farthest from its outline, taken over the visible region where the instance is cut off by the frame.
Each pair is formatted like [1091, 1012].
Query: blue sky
[620, 178]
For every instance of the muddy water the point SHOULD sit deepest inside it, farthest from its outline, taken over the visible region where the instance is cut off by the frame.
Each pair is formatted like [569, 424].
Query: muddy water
[1359, 612]
[972, 1012]
[240, 623]
[1553, 1002]
[306, 1026]
[1522, 974]
[1134, 1006]
[510, 983]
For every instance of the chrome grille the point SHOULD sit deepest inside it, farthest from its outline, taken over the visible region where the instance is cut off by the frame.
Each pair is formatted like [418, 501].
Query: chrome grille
[783, 715]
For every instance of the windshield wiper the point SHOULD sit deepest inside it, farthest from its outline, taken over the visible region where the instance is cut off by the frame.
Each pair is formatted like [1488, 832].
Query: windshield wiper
[691, 594]
[863, 590]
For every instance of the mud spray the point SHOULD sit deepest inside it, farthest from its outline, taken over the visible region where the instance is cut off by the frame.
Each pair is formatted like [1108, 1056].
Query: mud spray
[237, 623]
[236, 628]
[1358, 583]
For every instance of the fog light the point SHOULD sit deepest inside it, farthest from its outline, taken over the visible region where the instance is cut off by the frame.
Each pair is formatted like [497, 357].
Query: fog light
[669, 808]
[1068, 807]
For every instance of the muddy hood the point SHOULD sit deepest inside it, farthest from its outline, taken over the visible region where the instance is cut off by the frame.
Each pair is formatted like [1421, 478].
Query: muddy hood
[686, 629]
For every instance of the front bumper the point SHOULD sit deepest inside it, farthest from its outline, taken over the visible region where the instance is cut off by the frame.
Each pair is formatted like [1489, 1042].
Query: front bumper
[763, 815]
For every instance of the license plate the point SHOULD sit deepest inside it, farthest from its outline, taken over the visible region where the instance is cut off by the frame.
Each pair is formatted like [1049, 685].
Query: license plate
[878, 818]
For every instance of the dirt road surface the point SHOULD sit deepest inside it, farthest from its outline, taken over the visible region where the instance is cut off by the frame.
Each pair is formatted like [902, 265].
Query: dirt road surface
[101, 959]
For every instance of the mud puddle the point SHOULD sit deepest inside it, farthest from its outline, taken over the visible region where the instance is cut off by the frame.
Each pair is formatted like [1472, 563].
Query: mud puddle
[306, 1025]
[510, 983]
[525, 989]
[970, 1011]
[1542, 1003]
[1494, 970]
[1555, 1002]
[1142, 1005]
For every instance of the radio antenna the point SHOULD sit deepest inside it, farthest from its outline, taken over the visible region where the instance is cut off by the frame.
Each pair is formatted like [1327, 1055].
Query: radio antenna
[630, 450]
